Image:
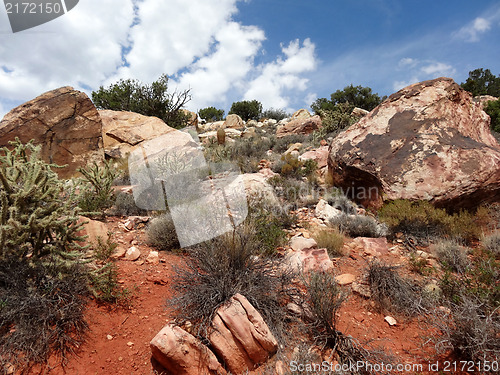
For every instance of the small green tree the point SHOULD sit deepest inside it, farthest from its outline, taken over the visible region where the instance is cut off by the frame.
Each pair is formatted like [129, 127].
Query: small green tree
[493, 110]
[148, 100]
[355, 96]
[34, 218]
[277, 114]
[482, 82]
[247, 109]
[211, 114]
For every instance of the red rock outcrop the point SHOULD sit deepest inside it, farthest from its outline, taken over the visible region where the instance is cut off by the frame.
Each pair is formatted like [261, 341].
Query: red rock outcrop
[182, 354]
[64, 122]
[428, 141]
[241, 337]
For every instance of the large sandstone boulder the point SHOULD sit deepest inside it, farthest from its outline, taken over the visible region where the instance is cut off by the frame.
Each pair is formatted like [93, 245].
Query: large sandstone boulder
[427, 141]
[301, 114]
[123, 131]
[299, 126]
[241, 337]
[182, 354]
[66, 125]
[233, 122]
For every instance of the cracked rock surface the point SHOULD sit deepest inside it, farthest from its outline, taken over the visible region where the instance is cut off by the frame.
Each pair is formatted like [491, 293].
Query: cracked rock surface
[64, 122]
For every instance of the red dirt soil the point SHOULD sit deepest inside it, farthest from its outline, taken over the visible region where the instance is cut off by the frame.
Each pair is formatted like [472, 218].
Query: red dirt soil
[118, 340]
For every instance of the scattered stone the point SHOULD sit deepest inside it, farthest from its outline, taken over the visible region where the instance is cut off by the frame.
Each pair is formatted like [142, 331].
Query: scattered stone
[325, 211]
[93, 229]
[153, 257]
[390, 320]
[130, 343]
[372, 246]
[362, 289]
[300, 243]
[120, 252]
[308, 260]
[132, 254]
[345, 279]
[181, 353]
[109, 337]
[249, 132]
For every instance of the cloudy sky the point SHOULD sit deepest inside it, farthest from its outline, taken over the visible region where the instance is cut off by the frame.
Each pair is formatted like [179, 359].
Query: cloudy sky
[285, 53]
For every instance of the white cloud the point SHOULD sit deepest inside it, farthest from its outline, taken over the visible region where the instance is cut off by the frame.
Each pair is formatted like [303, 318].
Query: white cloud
[407, 62]
[420, 70]
[438, 69]
[213, 75]
[172, 34]
[82, 47]
[196, 43]
[3, 112]
[474, 29]
[282, 77]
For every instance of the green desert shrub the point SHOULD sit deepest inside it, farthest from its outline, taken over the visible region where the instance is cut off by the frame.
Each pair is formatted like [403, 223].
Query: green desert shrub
[359, 226]
[452, 256]
[491, 243]
[96, 188]
[125, 205]
[269, 222]
[273, 113]
[392, 292]
[161, 233]
[216, 270]
[41, 312]
[282, 144]
[103, 277]
[423, 221]
[469, 328]
[331, 239]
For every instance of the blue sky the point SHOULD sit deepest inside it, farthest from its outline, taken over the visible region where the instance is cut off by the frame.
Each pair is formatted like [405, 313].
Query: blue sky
[283, 53]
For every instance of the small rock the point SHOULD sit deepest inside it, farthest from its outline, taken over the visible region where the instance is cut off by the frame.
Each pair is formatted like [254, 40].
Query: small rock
[119, 252]
[153, 257]
[301, 243]
[390, 320]
[130, 343]
[109, 337]
[132, 254]
[362, 289]
[345, 279]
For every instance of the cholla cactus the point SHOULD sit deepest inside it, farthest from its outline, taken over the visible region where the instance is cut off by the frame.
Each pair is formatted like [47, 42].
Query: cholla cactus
[221, 136]
[35, 219]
